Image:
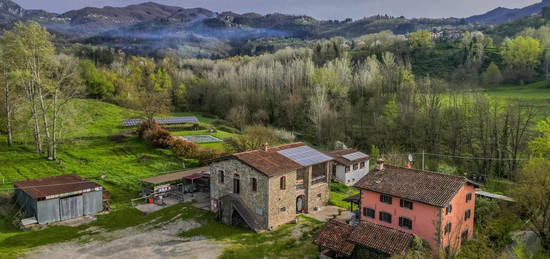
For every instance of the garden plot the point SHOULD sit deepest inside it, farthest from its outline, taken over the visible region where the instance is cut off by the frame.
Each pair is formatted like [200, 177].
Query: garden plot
[202, 139]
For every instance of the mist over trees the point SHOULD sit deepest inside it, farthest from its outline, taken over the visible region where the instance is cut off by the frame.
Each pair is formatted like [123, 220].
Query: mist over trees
[393, 93]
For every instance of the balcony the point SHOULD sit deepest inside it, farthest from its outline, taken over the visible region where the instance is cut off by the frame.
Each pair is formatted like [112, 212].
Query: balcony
[300, 185]
[318, 180]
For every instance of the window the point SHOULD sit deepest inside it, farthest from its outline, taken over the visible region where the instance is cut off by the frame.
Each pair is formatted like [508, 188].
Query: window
[236, 184]
[222, 176]
[283, 183]
[468, 197]
[384, 216]
[406, 204]
[362, 165]
[448, 228]
[355, 166]
[368, 212]
[385, 198]
[467, 214]
[283, 209]
[347, 168]
[449, 209]
[254, 184]
[319, 195]
[464, 236]
[405, 223]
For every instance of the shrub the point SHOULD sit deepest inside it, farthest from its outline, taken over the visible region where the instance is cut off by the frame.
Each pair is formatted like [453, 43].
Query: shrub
[158, 137]
[205, 154]
[182, 148]
[146, 125]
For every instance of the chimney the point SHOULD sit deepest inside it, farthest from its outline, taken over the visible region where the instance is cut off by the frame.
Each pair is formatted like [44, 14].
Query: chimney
[380, 164]
[265, 147]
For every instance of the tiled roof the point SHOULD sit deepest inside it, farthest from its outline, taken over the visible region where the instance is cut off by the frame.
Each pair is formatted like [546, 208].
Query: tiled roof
[423, 186]
[55, 185]
[335, 237]
[338, 155]
[386, 240]
[269, 162]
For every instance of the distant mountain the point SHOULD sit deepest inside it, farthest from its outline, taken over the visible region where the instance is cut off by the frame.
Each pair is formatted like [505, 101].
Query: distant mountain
[502, 15]
[10, 12]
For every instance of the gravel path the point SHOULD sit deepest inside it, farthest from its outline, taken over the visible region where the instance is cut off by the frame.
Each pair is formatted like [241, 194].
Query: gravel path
[134, 243]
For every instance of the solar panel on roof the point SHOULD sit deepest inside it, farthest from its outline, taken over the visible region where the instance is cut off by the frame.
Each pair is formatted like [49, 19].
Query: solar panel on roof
[305, 155]
[355, 156]
[163, 121]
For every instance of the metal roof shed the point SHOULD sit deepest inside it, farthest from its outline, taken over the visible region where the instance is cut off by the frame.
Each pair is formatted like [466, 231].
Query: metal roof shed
[58, 198]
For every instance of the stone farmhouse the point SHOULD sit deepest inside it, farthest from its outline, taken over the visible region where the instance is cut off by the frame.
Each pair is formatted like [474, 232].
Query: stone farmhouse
[349, 165]
[263, 189]
[436, 207]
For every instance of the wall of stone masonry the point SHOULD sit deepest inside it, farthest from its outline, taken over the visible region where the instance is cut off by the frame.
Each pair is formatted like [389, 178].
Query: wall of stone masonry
[282, 203]
[257, 201]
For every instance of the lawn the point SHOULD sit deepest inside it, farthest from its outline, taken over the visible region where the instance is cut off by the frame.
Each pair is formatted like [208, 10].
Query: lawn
[288, 241]
[338, 192]
[535, 94]
[87, 150]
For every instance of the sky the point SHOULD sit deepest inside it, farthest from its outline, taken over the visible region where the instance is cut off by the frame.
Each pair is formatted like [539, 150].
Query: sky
[321, 9]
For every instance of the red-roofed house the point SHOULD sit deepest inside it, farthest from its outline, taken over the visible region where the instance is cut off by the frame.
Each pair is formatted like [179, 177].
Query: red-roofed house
[266, 188]
[436, 207]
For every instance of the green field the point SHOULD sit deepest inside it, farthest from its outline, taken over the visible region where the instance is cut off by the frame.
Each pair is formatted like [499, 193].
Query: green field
[536, 95]
[87, 150]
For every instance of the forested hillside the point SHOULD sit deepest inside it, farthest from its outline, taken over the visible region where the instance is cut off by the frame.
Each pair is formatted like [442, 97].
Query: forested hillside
[463, 102]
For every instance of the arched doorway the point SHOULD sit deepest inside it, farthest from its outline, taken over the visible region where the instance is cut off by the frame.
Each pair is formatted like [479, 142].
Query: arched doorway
[300, 204]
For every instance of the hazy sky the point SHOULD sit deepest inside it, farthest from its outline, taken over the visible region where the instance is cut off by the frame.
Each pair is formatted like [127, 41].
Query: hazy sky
[322, 9]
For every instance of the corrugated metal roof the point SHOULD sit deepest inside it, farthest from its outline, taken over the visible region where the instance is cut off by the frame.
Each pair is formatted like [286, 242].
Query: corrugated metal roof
[163, 121]
[494, 196]
[175, 176]
[55, 185]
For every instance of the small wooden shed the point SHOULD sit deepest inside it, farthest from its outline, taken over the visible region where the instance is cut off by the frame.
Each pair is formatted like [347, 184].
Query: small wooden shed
[58, 198]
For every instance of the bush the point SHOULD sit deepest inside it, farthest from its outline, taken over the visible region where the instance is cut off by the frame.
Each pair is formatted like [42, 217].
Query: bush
[205, 154]
[146, 125]
[183, 149]
[153, 134]
[158, 137]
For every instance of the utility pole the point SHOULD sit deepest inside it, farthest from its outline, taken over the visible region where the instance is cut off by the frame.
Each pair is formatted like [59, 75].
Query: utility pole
[422, 159]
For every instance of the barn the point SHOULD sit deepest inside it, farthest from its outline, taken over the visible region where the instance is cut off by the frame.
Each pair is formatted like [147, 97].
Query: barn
[58, 198]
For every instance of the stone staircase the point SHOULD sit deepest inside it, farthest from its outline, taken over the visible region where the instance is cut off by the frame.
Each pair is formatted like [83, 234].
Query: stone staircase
[230, 203]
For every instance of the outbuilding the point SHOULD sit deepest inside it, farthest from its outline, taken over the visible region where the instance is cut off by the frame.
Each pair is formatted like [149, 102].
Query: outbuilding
[349, 165]
[58, 198]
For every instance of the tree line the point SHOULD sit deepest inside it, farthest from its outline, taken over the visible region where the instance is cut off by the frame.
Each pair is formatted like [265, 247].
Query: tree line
[372, 92]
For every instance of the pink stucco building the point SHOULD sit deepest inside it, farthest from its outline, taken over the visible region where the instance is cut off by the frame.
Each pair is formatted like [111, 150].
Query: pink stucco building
[436, 207]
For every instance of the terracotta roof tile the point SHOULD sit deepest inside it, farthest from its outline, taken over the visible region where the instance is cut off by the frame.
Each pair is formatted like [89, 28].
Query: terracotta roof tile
[380, 238]
[55, 185]
[269, 162]
[423, 186]
[335, 237]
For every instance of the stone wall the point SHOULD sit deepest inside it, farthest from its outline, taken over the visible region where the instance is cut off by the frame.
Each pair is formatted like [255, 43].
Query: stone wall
[318, 196]
[256, 201]
[282, 203]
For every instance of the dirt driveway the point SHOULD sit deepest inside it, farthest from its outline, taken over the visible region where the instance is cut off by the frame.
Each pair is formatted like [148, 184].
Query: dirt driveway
[133, 243]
